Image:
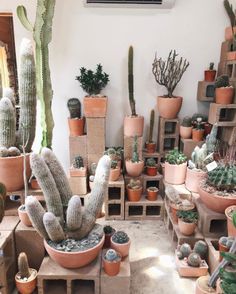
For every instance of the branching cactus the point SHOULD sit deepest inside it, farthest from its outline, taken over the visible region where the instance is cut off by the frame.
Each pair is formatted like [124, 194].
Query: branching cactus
[75, 222]
[131, 81]
[23, 266]
[198, 156]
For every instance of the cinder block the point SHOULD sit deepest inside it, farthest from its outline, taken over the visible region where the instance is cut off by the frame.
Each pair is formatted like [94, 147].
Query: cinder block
[221, 68]
[205, 91]
[225, 48]
[155, 181]
[94, 158]
[96, 130]
[213, 253]
[128, 147]
[157, 156]
[78, 146]
[187, 146]
[78, 185]
[231, 69]
[223, 115]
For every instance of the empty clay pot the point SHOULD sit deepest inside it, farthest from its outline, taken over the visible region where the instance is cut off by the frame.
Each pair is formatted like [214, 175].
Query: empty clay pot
[230, 225]
[134, 169]
[95, 106]
[175, 174]
[27, 287]
[169, 107]
[76, 126]
[133, 126]
[224, 95]
[123, 249]
[185, 132]
[186, 229]
[134, 195]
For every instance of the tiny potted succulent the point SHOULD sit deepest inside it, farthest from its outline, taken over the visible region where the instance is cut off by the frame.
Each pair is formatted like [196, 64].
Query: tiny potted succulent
[120, 242]
[78, 169]
[230, 213]
[187, 221]
[186, 128]
[134, 189]
[26, 278]
[111, 262]
[152, 193]
[151, 167]
[134, 166]
[224, 92]
[175, 167]
[210, 73]
[75, 121]
[198, 130]
[108, 231]
[231, 55]
[114, 171]
[225, 244]
[95, 104]
[150, 145]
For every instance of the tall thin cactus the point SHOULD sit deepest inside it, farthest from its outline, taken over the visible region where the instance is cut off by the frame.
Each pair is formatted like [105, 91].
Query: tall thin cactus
[152, 118]
[23, 266]
[131, 81]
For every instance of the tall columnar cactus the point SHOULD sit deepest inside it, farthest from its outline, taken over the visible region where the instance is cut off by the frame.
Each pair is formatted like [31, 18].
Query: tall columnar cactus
[9, 93]
[152, 118]
[211, 139]
[78, 222]
[135, 157]
[23, 266]
[42, 34]
[27, 94]
[7, 123]
[131, 81]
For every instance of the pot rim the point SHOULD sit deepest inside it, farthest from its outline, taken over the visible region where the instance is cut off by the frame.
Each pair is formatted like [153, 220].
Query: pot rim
[33, 275]
[227, 209]
[130, 160]
[98, 96]
[134, 189]
[148, 189]
[15, 157]
[123, 244]
[184, 163]
[76, 118]
[174, 97]
[133, 116]
[216, 195]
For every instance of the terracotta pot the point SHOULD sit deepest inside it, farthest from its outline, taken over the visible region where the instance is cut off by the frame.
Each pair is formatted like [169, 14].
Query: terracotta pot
[76, 126]
[23, 215]
[169, 107]
[209, 75]
[27, 287]
[134, 195]
[74, 259]
[197, 135]
[123, 249]
[78, 172]
[175, 173]
[111, 268]
[95, 106]
[224, 95]
[222, 248]
[193, 178]
[185, 132]
[230, 225]
[151, 171]
[114, 174]
[215, 202]
[133, 126]
[34, 184]
[207, 129]
[107, 242]
[11, 172]
[229, 33]
[202, 286]
[152, 195]
[186, 229]
[150, 147]
[231, 55]
[134, 169]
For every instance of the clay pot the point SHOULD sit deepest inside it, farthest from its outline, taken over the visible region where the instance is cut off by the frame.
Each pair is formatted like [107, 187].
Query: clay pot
[151, 171]
[24, 217]
[169, 107]
[133, 126]
[175, 173]
[74, 259]
[34, 184]
[107, 242]
[186, 229]
[230, 225]
[152, 195]
[185, 132]
[216, 202]
[11, 172]
[78, 172]
[150, 147]
[202, 286]
[197, 135]
[95, 106]
[231, 55]
[134, 169]
[209, 75]
[134, 195]
[76, 126]
[222, 248]
[27, 287]
[229, 33]
[111, 268]
[114, 174]
[193, 178]
[224, 95]
[123, 249]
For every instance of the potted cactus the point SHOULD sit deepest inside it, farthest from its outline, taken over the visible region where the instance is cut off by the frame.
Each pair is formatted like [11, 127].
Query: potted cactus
[26, 278]
[151, 167]
[134, 166]
[187, 221]
[108, 231]
[78, 169]
[168, 74]
[92, 82]
[230, 213]
[198, 130]
[75, 121]
[115, 171]
[210, 73]
[111, 262]
[231, 55]
[134, 189]
[115, 153]
[186, 128]
[225, 244]
[230, 30]
[120, 242]
[224, 92]
[152, 193]
[133, 124]
[71, 236]
[175, 167]
[150, 145]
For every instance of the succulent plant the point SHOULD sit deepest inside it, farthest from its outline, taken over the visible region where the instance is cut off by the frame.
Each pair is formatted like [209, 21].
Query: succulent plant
[194, 259]
[187, 122]
[151, 126]
[78, 162]
[23, 266]
[211, 66]
[151, 162]
[114, 164]
[175, 157]
[120, 237]
[188, 216]
[201, 248]
[131, 81]
[112, 255]
[108, 230]
[134, 184]
[185, 249]
[222, 81]
[74, 107]
[3, 152]
[135, 155]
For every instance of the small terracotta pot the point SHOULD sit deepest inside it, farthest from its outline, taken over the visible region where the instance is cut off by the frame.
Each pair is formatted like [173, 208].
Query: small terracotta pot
[23, 215]
[107, 242]
[76, 126]
[231, 55]
[151, 171]
[111, 268]
[197, 135]
[95, 106]
[152, 195]
[229, 33]
[27, 287]
[202, 286]
[186, 229]
[230, 225]
[123, 249]
[134, 195]
[134, 169]
[78, 172]
[175, 174]
[193, 178]
[185, 132]
[133, 126]
[169, 107]
[224, 95]
[114, 174]
[222, 248]
[209, 75]
[150, 147]
[34, 184]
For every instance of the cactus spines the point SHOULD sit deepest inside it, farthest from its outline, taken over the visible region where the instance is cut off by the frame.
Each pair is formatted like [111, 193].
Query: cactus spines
[131, 81]
[194, 259]
[9, 93]
[27, 95]
[53, 227]
[201, 248]
[78, 162]
[3, 152]
[135, 156]
[13, 151]
[152, 118]
[74, 214]
[23, 266]
[74, 107]
[185, 249]
[7, 123]
[120, 237]
[211, 139]
[111, 255]
[198, 156]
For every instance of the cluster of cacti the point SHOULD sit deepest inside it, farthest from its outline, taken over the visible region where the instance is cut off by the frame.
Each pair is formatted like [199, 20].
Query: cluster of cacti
[23, 266]
[194, 259]
[135, 156]
[185, 250]
[175, 157]
[111, 255]
[120, 237]
[60, 202]
[134, 184]
[151, 126]
[226, 241]
[187, 122]
[151, 162]
[78, 162]
[74, 107]
[201, 248]
[222, 81]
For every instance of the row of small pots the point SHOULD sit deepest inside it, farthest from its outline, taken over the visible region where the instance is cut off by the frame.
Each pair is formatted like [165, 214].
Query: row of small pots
[135, 195]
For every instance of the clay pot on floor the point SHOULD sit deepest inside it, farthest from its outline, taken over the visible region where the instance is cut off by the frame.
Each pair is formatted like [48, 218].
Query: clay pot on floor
[197, 135]
[150, 147]
[229, 33]
[152, 193]
[111, 268]
[169, 107]
[230, 226]
[222, 248]
[27, 287]
[175, 174]
[185, 132]
[95, 106]
[134, 169]
[123, 249]
[193, 178]
[76, 126]
[209, 75]
[114, 174]
[134, 195]
[24, 217]
[202, 286]
[224, 95]
[151, 171]
[186, 229]
[133, 126]
[231, 55]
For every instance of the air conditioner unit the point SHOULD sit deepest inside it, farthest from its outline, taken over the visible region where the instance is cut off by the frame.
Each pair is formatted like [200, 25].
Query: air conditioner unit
[164, 4]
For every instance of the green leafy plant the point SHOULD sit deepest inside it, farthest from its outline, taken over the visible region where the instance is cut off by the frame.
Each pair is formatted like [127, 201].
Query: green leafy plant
[175, 157]
[187, 122]
[188, 216]
[151, 162]
[222, 81]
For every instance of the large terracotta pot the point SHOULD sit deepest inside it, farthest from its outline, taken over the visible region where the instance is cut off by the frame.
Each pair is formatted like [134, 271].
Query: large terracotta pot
[134, 195]
[231, 55]
[24, 217]
[197, 135]
[111, 268]
[186, 229]
[134, 169]
[11, 172]
[114, 174]
[175, 174]
[185, 132]
[209, 75]
[76, 126]
[27, 287]
[202, 286]
[123, 249]
[169, 107]
[229, 33]
[133, 126]
[74, 259]
[230, 225]
[215, 202]
[193, 178]
[95, 106]
[224, 95]
[150, 147]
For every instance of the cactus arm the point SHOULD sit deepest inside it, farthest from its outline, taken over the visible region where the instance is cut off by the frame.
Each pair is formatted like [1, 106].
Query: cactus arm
[53, 227]
[131, 81]
[22, 15]
[74, 214]
[23, 265]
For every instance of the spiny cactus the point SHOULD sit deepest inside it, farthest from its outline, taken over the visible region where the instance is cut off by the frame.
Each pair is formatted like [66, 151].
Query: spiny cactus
[194, 259]
[187, 122]
[131, 81]
[223, 240]
[198, 156]
[74, 107]
[108, 230]
[152, 119]
[134, 184]
[222, 81]
[27, 95]
[211, 66]
[185, 249]
[120, 237]
[7, 123]
[135, 156]
[111, 255]
[9, 93]
[151, 162]
[23, 266]
[13, 151]
[211, 139]
[78, 162]
[175, 157]
[201, 248]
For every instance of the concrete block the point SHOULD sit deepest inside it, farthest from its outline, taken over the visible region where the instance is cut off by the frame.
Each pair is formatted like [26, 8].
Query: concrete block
[225, 48]
[128, 147]
[205, 91]
[231, 69]
[213, 253]
[155, 181]
[9, 223]
[78, 185]
[187, 146]
[94, 158]
[223, 115]
[78, 146]
[96, 130]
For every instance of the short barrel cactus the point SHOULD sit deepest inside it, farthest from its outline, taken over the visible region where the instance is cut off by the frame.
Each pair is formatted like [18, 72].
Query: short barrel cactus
[78, 162]
[120, 237]
[185, 249]
[201, 248]
[111, 255]
[194, 259]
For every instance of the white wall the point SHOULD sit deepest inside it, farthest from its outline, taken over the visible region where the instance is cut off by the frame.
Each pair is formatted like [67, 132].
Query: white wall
[87, 36]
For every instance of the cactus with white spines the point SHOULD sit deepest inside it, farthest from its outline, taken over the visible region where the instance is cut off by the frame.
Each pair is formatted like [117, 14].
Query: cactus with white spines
[9, 93]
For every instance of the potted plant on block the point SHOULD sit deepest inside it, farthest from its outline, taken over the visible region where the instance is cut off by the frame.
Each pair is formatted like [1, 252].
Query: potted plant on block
[231, 30]
[120, 242]
[75, 121]
[230, 213]
[134, 189]
[225, 244]
[168, 74]
[175, 167]
[150, 145]
[151, 167]
[78, 169]
[210, 74]
[224, 92]
[115, 153]
[133, 125]
[186, 128]
[108, 231]
[232, 16]
[198, 130]
[152, 193]
[95, 105]
[111, 262]
[134, 166]
[187, 221]
[115, 171]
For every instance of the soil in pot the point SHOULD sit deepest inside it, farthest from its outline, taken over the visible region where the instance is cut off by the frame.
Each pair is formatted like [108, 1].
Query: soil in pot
[169, 107]
[150, 147]
[224, 95]
[152, 193]
[230, 226]
[76, 126]
[23, 215]
[197, 135]
[26, 286]
[133, 126]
